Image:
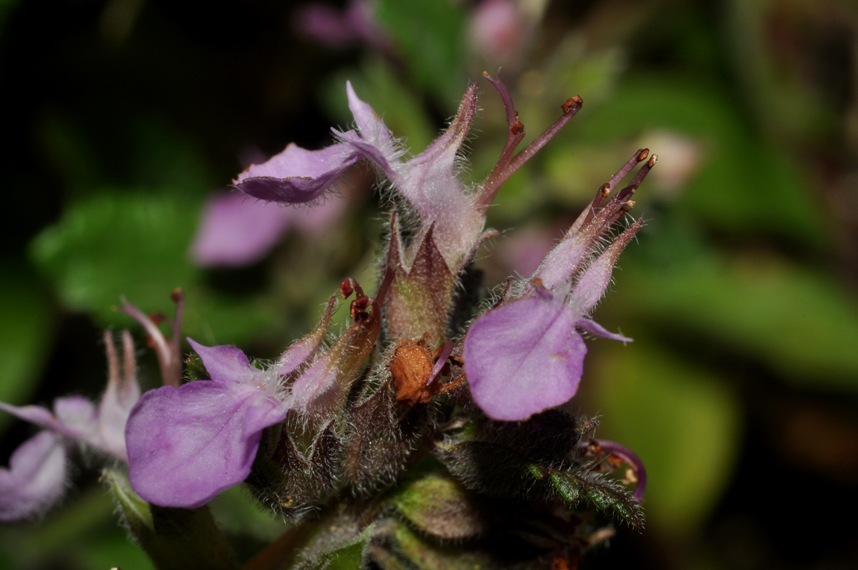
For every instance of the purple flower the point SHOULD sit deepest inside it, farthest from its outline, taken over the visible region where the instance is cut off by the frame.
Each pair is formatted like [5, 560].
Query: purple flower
[338, 29]
[206, 433]
[449, 215]
[203, 434]
[526, 355]
[36, 477]
[236, 230]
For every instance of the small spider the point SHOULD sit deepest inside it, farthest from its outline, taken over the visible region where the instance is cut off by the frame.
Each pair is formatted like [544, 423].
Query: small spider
[415, 369]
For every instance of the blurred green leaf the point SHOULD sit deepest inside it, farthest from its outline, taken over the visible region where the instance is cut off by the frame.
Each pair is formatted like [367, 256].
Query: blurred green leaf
[115, 244]
[430, 35]
[682, 421]
[794, 320]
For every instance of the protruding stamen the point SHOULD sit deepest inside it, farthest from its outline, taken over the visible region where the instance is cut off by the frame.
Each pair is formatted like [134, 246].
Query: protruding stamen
[444, 354]
[168, 352]
[507, 165]
[572, 104]
[112, 359]
[636, 159]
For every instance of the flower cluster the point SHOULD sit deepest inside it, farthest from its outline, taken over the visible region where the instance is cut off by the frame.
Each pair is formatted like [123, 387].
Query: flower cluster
[426, 388]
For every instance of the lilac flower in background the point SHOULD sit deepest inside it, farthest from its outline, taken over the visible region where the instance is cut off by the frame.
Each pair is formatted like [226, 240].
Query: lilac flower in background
[36, 478]
[526, 355]
[498, 29]
[339, 29]
[236, 230]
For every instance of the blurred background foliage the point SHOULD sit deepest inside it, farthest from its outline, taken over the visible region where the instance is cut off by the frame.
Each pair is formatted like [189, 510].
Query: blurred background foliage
[741, 390]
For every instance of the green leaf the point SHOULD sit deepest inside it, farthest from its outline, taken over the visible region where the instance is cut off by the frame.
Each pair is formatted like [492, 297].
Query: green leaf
[114, 244]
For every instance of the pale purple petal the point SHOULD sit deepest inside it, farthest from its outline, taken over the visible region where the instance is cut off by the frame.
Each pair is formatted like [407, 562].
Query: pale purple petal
[562, 261]
[226, 363]
[593, 283]
[297, 175]
[376, 142]
[595, 328]
[79, 417]
[121, 394]
[315, 384]
[187, 444]
[35, 479]
[430, 183]
[523, 358]
[74, 417]
[37, 415]
[236, 230]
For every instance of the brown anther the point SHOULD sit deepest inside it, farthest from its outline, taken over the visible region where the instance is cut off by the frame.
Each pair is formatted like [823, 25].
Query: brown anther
[643, 154]
[517, 127]
[358, 307]
[652, 161]
[573, 103]
[177, 295]
[346, 287]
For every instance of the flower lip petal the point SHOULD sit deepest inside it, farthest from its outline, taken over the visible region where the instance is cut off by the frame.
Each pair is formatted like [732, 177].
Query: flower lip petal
[204, 434]
[296, 175]
[225, 363]
[524, 357]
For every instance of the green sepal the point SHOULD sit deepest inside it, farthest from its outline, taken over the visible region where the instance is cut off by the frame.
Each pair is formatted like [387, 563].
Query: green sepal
[179, 539]
[440, 506]
[421, 294]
